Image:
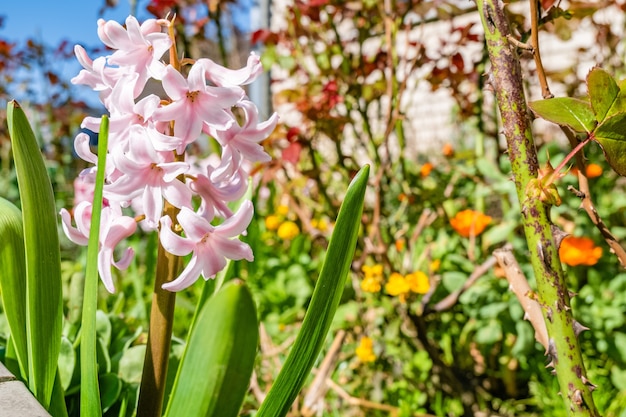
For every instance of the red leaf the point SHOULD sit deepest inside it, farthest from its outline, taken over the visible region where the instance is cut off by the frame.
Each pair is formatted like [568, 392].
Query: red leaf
[457, 61]
[292, 152]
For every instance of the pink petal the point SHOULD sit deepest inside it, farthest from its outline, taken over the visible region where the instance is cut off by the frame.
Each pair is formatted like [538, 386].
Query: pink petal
[194, 225]
[105, 259]
[71, 232]
[189, 275]
[238, 223]
[174, 84]
[173, 243]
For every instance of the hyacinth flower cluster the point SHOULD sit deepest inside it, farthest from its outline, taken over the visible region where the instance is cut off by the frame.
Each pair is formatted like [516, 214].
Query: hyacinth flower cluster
[148, 163]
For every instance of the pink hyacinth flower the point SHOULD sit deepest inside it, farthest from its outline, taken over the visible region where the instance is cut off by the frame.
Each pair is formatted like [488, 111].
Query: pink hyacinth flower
[196, 104]
[138, 47]
[245, 139]
[211, 245]
[114, 227]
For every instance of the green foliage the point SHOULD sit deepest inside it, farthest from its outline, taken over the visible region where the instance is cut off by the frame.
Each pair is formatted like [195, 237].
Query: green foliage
[89, 390]
[324, 302]
[566, 111]
[216, 368]
[42, 298]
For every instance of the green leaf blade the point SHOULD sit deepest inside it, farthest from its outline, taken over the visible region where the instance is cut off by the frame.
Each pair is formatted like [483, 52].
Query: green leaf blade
[215, 371]
[611, 135]
[603, 92]
[89, 384]
[324, 303]
[13, 279]
[566, 111]
[43, 261]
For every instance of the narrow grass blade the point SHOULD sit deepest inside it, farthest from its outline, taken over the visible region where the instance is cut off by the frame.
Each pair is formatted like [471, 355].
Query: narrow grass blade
[89, 389]
[216, 368]
[324, 303]
[13, 279]
[43, 262]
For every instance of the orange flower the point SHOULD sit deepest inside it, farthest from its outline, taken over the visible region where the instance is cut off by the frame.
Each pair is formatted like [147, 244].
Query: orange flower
[400, 244]
[593, 170]
[447, 150]
[579, 251]
[426, 169]
[468, 222]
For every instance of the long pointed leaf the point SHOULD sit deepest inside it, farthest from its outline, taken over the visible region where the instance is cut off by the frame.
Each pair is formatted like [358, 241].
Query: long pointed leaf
[218, 361]
[324, 303]
[89, 391]
[43, 262]
[13, 279]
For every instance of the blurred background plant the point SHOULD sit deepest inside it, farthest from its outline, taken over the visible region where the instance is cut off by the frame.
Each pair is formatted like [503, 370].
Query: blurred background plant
[427, 324]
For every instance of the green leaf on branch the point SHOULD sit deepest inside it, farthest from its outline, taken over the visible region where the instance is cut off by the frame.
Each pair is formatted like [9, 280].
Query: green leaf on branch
[324, 303]
[604, 93]
[566, 111]
[611, 135]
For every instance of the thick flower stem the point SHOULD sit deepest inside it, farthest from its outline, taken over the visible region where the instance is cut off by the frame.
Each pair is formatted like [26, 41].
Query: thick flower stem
[563, 347]
[152, 388]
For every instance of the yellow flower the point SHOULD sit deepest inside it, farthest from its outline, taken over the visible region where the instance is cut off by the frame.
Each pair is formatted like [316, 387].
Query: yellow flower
[373, 270]
[397, 285]
[282, 210]
[469, 222]
[272, 222]
[373, 277]
[288, 230]
[426, 169]
[434, 265]
[579, 251]
[365, 350]
[418, 282]
[370, 284]
[593, 170]
[321, 224]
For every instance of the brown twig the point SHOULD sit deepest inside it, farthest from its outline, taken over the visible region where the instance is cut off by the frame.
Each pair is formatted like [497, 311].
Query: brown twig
[519, 285]
[534, 42]
[587, 202]
[448, 302]
[360, 402]
[318, 387]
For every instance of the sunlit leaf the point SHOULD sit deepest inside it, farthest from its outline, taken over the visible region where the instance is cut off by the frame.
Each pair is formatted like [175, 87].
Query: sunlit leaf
[603, 92]
[13, 279]
[43, 261]
[89, 391]
[566, 111]
[215, 370]
[611, 135]
[324, 302]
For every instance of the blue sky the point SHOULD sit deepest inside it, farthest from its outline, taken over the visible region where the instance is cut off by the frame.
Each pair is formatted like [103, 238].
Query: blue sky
[73, 20]
[52, 21]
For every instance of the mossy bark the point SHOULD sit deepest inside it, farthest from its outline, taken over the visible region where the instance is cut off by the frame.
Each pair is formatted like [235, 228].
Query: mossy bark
[552, 294]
